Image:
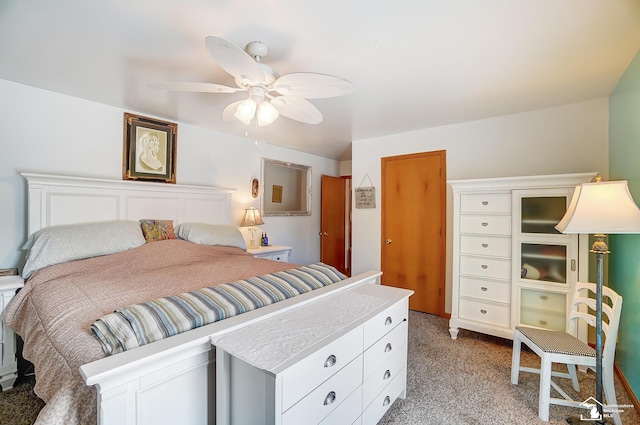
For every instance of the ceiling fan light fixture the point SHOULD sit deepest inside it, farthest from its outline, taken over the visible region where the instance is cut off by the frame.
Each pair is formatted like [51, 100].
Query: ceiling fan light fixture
[246, 110]
[267, 114]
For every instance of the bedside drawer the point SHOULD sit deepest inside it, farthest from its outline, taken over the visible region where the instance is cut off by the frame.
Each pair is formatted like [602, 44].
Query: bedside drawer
[385, 399]
[486, 224]
[327, 397]
[301, 378]
[484, 312]
[380, 353]
[485, 245]
[348, 412]
[379, 379]
[384, 322]
[485, 289]
[486, 203]
[485, 267]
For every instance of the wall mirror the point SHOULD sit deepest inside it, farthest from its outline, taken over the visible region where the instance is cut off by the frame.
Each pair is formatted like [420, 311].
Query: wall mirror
[286, 188]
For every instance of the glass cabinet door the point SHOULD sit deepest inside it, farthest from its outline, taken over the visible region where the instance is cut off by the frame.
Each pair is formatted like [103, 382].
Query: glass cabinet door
[544, 254]
[540, 214]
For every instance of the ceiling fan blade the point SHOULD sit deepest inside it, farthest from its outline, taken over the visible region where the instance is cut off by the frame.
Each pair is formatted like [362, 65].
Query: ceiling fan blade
[228, 114]
[309, 85]
[234, 60]
[195, 87]
[298, 109]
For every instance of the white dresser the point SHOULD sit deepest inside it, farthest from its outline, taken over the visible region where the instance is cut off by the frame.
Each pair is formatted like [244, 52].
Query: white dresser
[271, 252]
[510, 265]
[8, 363]
[338, 360]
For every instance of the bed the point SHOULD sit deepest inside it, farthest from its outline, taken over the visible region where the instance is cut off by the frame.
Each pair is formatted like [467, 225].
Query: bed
[54, 312]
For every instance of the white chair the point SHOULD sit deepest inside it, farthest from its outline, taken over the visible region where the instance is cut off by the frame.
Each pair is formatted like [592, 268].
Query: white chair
[564, 347]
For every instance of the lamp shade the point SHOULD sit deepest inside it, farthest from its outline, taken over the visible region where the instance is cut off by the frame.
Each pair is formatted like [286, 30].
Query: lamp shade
[251, 218]
[601, 208]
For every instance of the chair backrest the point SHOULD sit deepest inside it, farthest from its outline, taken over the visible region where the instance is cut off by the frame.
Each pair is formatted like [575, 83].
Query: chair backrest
[583, 307]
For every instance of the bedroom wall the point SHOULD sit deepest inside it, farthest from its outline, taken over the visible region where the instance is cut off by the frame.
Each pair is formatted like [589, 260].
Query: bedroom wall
[564, 139]
[624, 260]
[45, 132]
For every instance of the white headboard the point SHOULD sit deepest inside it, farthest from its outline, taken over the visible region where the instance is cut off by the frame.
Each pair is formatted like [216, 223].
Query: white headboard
[55, 200]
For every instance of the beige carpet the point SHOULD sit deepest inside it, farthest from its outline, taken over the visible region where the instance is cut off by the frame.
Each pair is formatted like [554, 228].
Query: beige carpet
[466, 381]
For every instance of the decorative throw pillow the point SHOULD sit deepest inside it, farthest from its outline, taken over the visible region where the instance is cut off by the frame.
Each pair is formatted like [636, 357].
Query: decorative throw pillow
[157, 230]
[211, 234]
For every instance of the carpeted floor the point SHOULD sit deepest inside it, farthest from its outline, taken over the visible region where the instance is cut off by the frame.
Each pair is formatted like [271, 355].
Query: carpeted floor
[466, 381]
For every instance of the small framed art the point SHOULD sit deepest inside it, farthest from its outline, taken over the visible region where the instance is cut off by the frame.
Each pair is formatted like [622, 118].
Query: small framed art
[149, 151]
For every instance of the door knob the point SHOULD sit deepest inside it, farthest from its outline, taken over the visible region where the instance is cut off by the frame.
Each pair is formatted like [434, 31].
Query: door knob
[325, 234]
[387, 241]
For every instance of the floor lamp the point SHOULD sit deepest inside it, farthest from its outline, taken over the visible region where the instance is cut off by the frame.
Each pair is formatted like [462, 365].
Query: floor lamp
[600, 208]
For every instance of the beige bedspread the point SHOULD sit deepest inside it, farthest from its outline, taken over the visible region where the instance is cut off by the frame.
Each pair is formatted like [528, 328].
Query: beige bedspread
[54, 311]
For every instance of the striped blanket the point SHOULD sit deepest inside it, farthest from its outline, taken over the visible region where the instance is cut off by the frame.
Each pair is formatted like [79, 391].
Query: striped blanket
[141, 324]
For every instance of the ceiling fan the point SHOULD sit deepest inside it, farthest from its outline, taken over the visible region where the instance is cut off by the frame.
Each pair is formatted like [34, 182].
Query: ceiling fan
[269, 94]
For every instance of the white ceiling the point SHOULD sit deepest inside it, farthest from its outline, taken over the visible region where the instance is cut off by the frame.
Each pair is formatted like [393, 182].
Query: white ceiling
[414, 64]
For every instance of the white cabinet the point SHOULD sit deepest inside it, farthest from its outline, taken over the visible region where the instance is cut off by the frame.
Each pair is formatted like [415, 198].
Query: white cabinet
[271, 252]
[339, 360]
[8, 363]
[510, 265]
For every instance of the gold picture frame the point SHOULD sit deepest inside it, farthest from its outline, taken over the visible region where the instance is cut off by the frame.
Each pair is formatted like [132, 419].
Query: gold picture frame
[149, 150]
[276, 194]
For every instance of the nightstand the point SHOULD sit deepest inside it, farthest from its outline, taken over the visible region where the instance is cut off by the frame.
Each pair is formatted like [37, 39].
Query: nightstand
[8, 362]
[272, 252]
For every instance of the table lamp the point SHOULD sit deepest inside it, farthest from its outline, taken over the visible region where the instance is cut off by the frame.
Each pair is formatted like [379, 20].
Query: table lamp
[251, 219]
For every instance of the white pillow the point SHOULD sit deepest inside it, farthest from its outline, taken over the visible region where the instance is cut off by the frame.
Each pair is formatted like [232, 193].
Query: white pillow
[211, 234]
[59, 244]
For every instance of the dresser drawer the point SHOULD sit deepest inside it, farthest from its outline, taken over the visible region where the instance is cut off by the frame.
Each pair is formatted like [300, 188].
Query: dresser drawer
[485, 245]
[486, 224]
[378, 380]
[543, 309]
[384, 322]
[486, 203]
[485, 267]
[327, 397]
[348, 412]
[485, 289]
[484, 312]
[386, 347]
[385, 399]
[301, 378]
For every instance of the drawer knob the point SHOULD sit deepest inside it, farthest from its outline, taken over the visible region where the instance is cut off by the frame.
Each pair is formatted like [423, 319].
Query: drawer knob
[386, 401]
[388, 321]
[543, 322]
[483, 288]
[485, 245]
[387, 348]
[387, 375]
[485, 224]
[331, 360]
[330, 398]
[544, 297]
[484, 266]
[483, 311]
[485, 202]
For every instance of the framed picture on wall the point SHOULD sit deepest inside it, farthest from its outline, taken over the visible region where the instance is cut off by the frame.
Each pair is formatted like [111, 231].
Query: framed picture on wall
[149, 151]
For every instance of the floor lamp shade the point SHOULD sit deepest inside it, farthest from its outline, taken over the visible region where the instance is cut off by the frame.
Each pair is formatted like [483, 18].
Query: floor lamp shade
[605, 207]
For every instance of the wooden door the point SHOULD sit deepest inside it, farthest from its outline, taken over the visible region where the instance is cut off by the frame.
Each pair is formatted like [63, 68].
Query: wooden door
[413, 227]
[334, 249]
